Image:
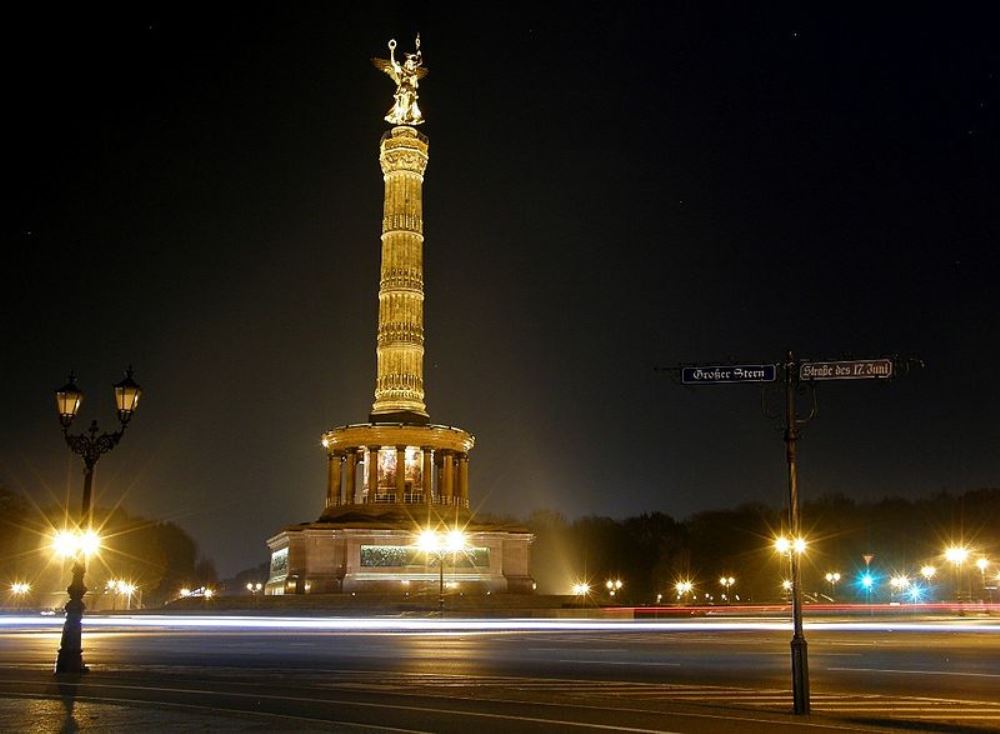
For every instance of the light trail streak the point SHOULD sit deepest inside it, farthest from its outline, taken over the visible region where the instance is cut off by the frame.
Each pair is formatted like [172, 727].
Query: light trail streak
[450, 626]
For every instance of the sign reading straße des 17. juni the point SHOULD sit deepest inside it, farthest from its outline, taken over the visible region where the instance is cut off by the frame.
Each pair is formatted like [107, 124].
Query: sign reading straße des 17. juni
[854, 369]
[727, 374]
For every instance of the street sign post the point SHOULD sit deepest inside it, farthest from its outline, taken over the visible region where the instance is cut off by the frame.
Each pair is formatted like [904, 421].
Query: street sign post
[728, 374]
[794, 373]
[851, 369]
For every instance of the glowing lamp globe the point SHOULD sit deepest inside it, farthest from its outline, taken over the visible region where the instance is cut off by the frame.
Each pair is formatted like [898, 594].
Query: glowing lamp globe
[454, 541]
[428, 541]
[127, 394]
[68, 399]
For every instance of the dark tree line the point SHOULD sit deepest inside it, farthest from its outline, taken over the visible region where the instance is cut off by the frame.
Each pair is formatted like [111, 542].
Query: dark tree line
[159, 557]
[652, 551]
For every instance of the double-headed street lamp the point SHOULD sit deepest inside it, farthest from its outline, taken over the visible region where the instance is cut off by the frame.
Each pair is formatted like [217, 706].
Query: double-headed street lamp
[85, 541]
[982, 564]
[613, 586]
[832, 578]
[898, 584]
[727, 584]
[794, 547]
[683, 588]
[439, 545]
[254, 587]
[957, 555]
[117, 587]
[19, 590]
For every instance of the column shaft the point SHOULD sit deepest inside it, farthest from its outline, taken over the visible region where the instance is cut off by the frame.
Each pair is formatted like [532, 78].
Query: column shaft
[334, 463]
[448, 476]
[372, 473]
[463, 480]
[350, 480]
[427, 475]
[399, 385]
[400, 473]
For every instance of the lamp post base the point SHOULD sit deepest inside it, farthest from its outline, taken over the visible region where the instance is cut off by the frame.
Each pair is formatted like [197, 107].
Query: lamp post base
[800, 675]
[70, 658]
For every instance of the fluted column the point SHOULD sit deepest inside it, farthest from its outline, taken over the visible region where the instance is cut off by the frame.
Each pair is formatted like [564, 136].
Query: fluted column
[427, 475]
[372, 474]
[448, 476]
[333, 471]
[400, 472]
[351, 479]
[463, 480]
[399, 385]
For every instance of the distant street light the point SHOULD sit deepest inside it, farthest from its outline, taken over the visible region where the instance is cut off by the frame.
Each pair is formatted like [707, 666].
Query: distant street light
[126, 589]
[957, 555]
[898, 584]
[727, 584]
[254, 588]
[91, 447]
[867, 582]
[982, 564]
[613, 586]
[19, 590]
[440, 544]
[833, 578]
[683, 588]
[928, 572]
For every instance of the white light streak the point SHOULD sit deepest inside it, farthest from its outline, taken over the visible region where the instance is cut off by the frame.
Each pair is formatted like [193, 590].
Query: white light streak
[430, 625]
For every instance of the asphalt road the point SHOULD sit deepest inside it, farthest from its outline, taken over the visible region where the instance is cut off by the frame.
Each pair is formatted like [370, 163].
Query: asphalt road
[447, 676]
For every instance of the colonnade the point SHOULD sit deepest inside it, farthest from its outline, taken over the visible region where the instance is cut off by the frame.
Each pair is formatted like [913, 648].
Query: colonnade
[354, 477]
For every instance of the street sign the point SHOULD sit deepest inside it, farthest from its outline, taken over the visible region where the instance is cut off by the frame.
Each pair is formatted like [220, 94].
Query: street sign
[728, 374]
[853, 369]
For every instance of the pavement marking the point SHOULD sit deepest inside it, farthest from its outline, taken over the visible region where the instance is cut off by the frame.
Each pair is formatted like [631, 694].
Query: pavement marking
[214, 709]
[359, 704]
[917, 672]
[828, 726]
[618, 662]
[771, 700]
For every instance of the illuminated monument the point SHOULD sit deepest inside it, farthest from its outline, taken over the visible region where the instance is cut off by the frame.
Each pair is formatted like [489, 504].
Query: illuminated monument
[399, 474]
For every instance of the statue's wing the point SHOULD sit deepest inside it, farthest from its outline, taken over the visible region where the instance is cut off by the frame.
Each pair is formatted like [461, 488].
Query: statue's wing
[421, 72]
[383, 65]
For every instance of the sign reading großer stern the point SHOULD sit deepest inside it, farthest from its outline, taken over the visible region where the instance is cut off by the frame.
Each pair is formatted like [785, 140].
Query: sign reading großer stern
[728, 374]
[854, 369]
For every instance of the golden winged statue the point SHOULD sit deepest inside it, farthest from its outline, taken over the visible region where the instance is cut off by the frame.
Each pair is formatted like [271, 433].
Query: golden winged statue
[407, 76]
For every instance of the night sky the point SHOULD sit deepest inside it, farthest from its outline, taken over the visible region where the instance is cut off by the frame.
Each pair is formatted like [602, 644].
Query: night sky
[197, 192]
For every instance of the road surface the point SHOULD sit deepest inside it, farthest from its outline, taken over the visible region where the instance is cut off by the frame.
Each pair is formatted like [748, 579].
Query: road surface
[453, 675]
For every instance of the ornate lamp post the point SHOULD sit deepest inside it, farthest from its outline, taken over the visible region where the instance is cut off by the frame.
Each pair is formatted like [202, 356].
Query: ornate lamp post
[833, 578]
[957, 555]
[613, 586]
[439, 545]
[19, 590]
[727, 584]
[90, 447]
[683, 588]
[982, 564]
